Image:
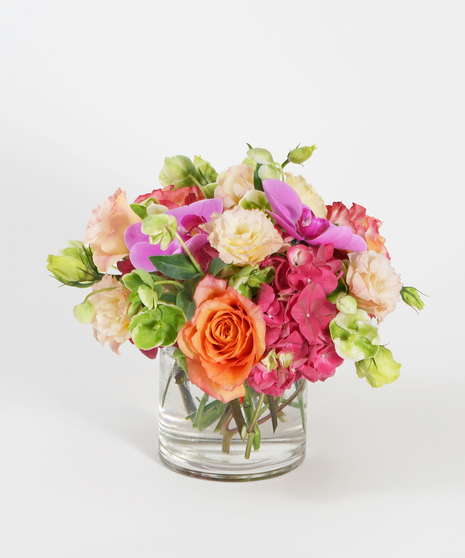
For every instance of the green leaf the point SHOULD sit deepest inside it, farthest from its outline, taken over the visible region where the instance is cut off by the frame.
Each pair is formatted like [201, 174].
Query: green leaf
[216, 265]
[134, 308]
[139, 210]
[132, 281]
[177, 266]
[185, 301]
[257, 181]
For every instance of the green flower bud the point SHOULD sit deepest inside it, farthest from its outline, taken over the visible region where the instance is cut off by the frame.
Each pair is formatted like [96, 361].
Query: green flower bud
[251, 277]
[250, 162]
[84, 312]
[179, 171]
[209, 190]
[270, 170]
[260, 156]
[254, 199]
[411, 297]
[346, 304]
[301, 154]
[379, 370]
[355, 337]
[74, 266]
[161, 229]
[207, 173]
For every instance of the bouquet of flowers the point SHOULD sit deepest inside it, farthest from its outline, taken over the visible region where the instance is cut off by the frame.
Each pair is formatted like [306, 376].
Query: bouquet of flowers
[247, 274]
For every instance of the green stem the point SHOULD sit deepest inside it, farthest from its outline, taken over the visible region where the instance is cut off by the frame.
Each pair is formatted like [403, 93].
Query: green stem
[248, 449]
[99, 291]
[199, 413]
[256, 413]
[273, 412]
[180, 285]
[166, 388]
[188, 252]
[195, 181]
[223, 418]
[238, 418]
[302, 410]
[286, 162]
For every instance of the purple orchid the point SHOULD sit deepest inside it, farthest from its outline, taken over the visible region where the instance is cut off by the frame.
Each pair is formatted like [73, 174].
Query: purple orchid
[299, 221]
[188, 217]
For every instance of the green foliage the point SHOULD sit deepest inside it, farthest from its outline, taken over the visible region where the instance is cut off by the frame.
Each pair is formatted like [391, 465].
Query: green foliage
[176, 266]
[157, 327]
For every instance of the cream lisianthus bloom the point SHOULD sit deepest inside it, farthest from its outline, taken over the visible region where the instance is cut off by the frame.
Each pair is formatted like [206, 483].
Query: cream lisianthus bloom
[373, 282]
[110, 320]
[234, 184]
[243, 236]
[307, 194]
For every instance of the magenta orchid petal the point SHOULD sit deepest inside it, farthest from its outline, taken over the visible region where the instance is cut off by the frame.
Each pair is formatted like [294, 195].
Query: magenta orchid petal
[342, 238]
[283, 199]
[196, 242]
[298, 220]
[202, 208]
[133, 235]
[142, 251]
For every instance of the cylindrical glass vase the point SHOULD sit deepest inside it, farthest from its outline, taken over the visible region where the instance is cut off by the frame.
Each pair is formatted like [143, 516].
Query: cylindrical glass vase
[257, 438]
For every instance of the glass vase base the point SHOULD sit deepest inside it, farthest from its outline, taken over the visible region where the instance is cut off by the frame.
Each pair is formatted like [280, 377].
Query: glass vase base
[236, 471]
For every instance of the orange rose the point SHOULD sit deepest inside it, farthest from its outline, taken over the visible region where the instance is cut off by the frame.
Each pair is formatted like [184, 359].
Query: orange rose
[224, 339]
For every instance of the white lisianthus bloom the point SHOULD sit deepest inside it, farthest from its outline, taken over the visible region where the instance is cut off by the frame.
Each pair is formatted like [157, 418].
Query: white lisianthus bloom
[243, 236]
[307, 194]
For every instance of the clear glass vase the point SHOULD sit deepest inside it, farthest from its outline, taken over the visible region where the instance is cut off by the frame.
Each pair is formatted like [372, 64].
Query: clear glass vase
[199, 436]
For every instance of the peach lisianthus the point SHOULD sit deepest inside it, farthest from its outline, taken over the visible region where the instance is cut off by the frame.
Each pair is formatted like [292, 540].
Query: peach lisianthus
[373, 282]
[223, 341]
[111, 320]
[234, 185]
[106, 228]
[243, 236]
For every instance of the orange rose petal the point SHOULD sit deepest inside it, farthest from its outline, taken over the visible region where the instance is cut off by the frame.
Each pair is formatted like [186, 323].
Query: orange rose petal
[198, 377]
[209, 288]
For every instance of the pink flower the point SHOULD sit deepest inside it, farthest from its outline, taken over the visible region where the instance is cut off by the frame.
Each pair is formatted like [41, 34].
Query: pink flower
[362, 224]
[171, 198]
[373, 283]
[111, 320]
[272, 382]
[318, 267]
[106, 228]
[312, 311]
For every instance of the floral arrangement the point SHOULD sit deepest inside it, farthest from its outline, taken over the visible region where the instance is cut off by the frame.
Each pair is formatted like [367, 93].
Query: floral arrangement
[254, 281]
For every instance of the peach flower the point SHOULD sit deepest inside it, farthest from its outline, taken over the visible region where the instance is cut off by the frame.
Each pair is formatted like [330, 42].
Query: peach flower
[111, 320]
[362, 224]
[234, 184]
[223, 341]
[106, 228]
[373, 282]
[243, 236]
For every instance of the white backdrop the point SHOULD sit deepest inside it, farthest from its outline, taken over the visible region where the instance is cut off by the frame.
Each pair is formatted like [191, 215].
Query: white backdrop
[93, 95]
